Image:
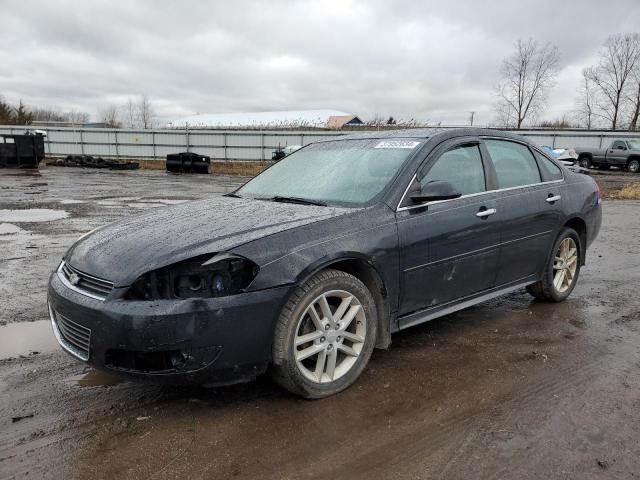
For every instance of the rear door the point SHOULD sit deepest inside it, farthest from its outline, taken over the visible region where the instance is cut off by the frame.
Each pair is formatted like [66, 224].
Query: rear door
[530, 200]
[449, 249]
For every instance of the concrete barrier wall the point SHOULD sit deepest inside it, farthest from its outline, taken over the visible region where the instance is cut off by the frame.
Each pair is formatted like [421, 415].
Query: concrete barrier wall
[240, 145]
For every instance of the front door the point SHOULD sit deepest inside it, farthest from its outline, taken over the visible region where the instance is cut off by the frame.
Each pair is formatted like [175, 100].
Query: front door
[449, 249]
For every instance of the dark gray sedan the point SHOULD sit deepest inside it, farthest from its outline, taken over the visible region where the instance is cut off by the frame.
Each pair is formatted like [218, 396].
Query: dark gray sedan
[317, 261]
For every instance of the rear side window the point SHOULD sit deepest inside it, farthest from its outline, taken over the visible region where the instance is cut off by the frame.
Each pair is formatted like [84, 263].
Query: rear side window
[514, 163]
[553, 171]
[460, 166]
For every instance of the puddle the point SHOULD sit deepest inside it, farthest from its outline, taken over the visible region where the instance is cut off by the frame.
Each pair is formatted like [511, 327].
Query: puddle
[95, 378]
[10, 229]
[23, 338]
[71, 201]
[32, 215]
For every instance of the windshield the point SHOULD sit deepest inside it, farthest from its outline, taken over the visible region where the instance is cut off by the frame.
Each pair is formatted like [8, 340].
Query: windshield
[343, 172]
[634, 144]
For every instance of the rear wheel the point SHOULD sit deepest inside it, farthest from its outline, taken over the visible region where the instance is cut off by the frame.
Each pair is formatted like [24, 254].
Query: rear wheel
[325, 335]
[634, 165]
[562, 272]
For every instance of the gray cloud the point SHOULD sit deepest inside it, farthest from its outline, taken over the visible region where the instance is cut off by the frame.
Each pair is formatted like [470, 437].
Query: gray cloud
[431, 60]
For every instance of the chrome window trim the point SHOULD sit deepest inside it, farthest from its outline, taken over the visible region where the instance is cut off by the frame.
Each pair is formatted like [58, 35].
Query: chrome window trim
[422, 205]
[69, 285]
[63, 343]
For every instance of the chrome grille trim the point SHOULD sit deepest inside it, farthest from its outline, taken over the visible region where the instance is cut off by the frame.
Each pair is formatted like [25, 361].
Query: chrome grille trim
[73, 337]
[88, 285]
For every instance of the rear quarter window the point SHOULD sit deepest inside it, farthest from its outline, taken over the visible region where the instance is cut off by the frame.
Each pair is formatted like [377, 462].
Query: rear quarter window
[514, 163]
[552, 170]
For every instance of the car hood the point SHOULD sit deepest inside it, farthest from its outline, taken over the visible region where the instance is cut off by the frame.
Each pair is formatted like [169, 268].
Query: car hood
[124, 250]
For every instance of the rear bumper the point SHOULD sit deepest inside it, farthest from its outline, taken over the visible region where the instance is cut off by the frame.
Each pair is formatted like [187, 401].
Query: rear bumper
[218, 341]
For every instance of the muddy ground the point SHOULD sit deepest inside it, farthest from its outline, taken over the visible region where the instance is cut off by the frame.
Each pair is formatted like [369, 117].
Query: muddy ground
[512, 388]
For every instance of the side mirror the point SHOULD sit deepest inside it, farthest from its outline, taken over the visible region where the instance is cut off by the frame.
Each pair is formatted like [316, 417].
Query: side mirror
[436, 190]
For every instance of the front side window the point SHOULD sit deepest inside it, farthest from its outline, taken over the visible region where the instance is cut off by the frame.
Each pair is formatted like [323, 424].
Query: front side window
[343, 172]
[619, 145]
[514, 163]
[460, 166]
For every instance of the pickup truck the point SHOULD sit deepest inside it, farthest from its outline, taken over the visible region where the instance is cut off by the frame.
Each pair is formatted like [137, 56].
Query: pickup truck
[621, 153]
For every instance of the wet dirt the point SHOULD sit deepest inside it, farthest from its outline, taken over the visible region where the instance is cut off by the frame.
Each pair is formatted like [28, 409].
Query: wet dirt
[611, 181]
[512, 388]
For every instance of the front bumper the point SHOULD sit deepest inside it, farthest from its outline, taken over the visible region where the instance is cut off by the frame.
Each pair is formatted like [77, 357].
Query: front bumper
[215, 341]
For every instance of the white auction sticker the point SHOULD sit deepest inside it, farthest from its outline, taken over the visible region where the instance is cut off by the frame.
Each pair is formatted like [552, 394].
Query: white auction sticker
[397, 144]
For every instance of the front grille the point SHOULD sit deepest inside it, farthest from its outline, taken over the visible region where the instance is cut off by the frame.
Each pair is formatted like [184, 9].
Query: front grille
[73, 337]
[84, 283]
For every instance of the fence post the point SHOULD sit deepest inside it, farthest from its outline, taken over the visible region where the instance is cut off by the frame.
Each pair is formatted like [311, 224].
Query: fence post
[224, 141]
[153, 141]
[186, 132]
[262, 144]
[81, 142]
[115, 139]
[553, 142]
[601, 138]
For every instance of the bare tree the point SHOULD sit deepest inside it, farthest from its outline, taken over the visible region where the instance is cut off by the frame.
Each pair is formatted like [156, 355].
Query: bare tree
[75, 116]
[634, 98]
[618, 58]
[130, 113]
[586, 101]
[110, 116]
[146, 115]
[527, 75]
[46, 114]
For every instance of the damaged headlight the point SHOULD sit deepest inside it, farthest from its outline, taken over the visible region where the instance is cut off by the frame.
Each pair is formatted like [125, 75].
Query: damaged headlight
[200, 277]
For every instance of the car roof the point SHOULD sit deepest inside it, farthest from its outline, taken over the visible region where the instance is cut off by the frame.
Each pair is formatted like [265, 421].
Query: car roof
[429, 133]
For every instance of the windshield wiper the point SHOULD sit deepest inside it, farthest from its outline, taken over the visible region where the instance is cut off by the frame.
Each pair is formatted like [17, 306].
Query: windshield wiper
[232, 194]
[304, 201]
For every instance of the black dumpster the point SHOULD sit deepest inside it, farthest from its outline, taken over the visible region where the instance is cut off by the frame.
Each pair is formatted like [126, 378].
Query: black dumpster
[21, 151]
[188, 162]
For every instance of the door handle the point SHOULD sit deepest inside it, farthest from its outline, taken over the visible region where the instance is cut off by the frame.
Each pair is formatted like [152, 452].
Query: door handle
[553, 198]
[486, 213]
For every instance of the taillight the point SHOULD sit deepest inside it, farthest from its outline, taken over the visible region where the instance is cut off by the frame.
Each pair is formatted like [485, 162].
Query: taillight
[598, 194]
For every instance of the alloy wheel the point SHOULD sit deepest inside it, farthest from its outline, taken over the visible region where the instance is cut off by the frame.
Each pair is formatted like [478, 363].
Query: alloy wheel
[330, 336]
[634, 166]
[565, 264]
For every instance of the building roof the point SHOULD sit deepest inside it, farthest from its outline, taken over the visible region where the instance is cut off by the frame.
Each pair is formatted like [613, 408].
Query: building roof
[286, 118]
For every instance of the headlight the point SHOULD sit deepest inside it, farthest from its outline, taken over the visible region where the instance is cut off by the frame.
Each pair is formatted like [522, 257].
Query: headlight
[200, 277]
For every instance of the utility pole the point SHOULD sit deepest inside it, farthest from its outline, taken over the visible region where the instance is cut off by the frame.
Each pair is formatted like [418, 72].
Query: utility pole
[471, 118]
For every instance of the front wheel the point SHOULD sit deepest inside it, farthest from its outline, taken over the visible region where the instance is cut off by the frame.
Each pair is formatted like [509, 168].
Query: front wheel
[634, 165]
[561, 273]
[584, 162]
[325, 335]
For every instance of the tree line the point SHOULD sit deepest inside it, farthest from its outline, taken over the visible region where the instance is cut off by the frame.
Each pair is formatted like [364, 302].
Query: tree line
[608, 97]
[134, 113]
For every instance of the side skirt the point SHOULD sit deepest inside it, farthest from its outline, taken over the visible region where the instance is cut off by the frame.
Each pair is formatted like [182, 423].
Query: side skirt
[422, 316]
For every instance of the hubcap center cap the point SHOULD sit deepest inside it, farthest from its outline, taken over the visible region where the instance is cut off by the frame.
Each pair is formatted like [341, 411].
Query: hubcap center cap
[332, 335]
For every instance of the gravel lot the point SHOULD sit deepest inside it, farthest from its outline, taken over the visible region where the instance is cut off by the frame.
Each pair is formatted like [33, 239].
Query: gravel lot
[512, 388]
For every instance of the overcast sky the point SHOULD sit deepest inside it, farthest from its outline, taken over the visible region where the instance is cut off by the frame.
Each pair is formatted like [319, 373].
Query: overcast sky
[432, 60]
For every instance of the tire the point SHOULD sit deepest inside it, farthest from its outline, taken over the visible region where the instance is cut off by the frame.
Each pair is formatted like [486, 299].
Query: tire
[326, 337]
[549, 289]
[633, 165]
[584, 162]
